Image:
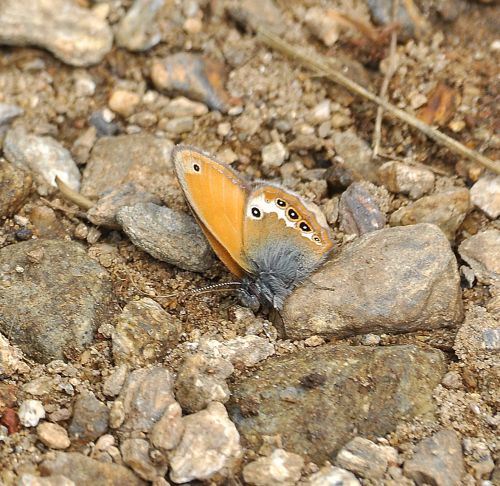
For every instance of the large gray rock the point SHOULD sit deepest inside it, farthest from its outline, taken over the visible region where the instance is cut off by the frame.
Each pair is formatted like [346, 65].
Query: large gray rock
[73, 34]
[52, 297]
[168, 235]
[320, 398]
[45, 156]
[445, 209]
[139, 158]
[393, 280]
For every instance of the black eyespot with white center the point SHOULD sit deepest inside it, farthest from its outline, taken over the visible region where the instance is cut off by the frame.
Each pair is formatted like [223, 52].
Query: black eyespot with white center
[305, 227]
[316, 239]
[256, 212]
[280, 203]
[196, 168]
[292, 214]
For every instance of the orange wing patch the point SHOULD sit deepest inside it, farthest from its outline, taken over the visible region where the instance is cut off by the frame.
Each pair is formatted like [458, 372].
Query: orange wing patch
[217, 196]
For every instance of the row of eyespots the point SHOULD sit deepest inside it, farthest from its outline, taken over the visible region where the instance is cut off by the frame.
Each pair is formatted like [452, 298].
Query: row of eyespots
[293, 215]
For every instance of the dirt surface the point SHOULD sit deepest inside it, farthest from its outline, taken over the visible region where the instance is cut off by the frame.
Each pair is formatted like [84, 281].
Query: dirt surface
[460, 51]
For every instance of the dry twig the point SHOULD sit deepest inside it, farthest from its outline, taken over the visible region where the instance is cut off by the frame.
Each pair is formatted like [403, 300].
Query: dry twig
[74, 196]
[320, 64]
[391, 69]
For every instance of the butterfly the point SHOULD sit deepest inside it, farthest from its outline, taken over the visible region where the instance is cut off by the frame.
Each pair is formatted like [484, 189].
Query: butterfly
[267, 236]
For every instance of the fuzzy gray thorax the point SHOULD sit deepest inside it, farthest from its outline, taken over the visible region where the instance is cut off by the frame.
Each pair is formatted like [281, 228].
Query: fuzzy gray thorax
[276, 270]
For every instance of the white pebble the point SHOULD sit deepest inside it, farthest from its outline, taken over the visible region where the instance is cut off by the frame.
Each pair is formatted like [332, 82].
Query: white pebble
[30, 413]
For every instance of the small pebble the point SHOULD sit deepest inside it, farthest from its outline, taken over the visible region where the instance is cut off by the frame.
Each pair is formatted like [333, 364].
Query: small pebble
[366, 459]
[8, 113]
[123, 102]
[273, 155]
[194, 76]
[31, 412]
[370, 339]
[53, 435]
[223, 129]
[280, 468]
[181, 106]
[193, 26]
[24, 234]
[138, 30]
[485, 194]
[180, 125]
[406, 179]
[104, 128]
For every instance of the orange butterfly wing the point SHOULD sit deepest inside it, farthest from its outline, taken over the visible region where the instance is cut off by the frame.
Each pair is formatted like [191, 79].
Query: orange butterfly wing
[217, 197]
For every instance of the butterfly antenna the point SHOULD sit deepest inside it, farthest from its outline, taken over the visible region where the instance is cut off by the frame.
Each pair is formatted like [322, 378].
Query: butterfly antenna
[221, 287]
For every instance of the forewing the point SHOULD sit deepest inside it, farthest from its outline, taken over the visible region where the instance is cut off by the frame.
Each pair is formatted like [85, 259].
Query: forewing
[217, 196]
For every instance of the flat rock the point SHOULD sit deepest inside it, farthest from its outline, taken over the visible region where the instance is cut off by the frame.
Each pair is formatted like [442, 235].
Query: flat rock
[139, 158]
[482, 253]
[365, 458]
[201, 380]
[15, 186]
[84, 470]
[210, 445]
[90, 419]
[359, 212]
[104, 211]
[53, 435]
[392, 280]
[77, 36]
[485, 195]
[445, 209]
[193, 76]
[406, 179]
[46, 157]
[144, 333]
[60, 320]
[138, 29]
[167, 235]
[146, 395]
[438, 460]
[313, 418]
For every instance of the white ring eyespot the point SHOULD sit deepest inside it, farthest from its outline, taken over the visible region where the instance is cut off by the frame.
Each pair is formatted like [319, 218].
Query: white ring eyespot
[256, 212]
[292, 214]
[196, 167]
[305, 227]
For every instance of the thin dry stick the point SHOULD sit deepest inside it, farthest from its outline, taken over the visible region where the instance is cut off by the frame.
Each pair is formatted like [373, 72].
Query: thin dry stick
[391, 69]
[320, 64]
[73, 196]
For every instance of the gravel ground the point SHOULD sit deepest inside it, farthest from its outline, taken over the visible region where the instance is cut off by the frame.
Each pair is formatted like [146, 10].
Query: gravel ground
[385, 369]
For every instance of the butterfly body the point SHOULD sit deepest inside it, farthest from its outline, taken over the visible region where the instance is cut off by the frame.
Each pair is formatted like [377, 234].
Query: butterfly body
[267, 236]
